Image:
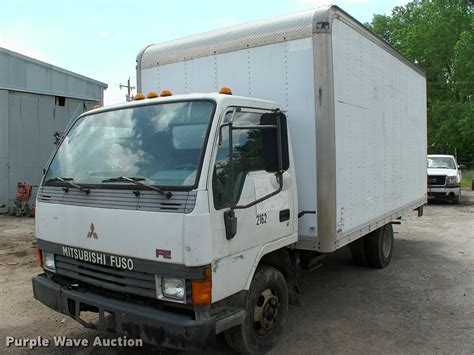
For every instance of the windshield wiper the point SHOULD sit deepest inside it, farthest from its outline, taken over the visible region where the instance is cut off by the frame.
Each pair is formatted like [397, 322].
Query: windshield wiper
[124, 178]
[70, 183]
[139, 181]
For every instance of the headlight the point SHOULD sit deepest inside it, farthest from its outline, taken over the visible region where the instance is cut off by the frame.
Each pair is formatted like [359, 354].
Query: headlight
[452, 180]
[49, 262]
[173, 288]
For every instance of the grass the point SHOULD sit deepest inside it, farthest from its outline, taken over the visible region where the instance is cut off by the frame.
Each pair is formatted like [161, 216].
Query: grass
[466, 183]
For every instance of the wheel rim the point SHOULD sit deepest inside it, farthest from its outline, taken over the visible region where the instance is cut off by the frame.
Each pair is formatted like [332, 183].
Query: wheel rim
[386, 244]
[265, 314]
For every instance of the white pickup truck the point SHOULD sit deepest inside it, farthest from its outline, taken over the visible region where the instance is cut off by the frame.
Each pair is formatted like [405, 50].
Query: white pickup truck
[190, 213]
[444, 178]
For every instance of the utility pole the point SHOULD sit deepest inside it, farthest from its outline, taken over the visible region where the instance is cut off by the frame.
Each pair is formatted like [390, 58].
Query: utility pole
[128, 97]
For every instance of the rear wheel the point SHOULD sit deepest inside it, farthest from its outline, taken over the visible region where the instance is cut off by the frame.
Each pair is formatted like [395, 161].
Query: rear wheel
[379, 247]
[265, 314]
[358, 252]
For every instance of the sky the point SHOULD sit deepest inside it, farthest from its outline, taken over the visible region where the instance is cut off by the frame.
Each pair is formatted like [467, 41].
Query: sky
[101, 38]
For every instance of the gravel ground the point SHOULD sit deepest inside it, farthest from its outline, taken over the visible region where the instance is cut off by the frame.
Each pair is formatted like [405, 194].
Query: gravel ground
[422, 303]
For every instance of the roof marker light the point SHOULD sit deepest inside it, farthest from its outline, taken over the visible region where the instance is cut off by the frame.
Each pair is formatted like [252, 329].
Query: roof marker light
[165, 93]
[139, 97]
[152, 95]
[225, 91]
[96, 107]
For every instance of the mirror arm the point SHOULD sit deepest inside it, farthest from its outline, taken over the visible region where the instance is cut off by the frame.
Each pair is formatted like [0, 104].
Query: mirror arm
[230, 221]
[220, 131]
[227, 124]
[260, 127]
[280, 148]
[231, 163]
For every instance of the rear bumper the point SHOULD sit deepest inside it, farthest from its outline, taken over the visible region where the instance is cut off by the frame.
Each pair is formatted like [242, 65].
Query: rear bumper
[444, 192]
[156, 327]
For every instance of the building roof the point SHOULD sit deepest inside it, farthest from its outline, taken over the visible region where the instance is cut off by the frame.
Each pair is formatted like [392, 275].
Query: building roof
[19, 72]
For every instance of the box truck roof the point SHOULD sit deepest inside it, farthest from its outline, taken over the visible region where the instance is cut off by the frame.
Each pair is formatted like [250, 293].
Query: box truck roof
[255, 34]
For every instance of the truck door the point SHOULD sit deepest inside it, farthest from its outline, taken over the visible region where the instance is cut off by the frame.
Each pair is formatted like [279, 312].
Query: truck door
[260, 223]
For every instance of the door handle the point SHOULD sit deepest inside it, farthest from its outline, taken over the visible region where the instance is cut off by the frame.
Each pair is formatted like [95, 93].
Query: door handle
[284, 215]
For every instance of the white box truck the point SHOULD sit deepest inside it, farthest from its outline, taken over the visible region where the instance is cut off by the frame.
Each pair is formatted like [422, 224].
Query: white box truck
[191, 213]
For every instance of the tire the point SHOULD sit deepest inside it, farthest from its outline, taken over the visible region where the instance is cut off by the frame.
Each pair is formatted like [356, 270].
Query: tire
[379, 247]
[358, 252]
[268, 295]
[457, 199]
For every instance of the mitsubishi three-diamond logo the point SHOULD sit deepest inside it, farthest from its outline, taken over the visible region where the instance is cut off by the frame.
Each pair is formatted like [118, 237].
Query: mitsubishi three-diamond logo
[92, 233]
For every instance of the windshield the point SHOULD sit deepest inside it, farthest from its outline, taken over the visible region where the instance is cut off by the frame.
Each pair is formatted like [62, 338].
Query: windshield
[441, 163]
[161, 144]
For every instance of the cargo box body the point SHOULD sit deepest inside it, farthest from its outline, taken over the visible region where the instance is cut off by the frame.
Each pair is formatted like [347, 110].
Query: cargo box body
[356, 112]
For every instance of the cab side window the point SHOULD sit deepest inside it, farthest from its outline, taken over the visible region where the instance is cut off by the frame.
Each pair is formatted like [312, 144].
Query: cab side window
[247, 156]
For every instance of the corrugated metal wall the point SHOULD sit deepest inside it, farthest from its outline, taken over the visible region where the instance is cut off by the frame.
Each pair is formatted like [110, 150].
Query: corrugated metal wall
[30, 114]
[21, 73]
[3, 147]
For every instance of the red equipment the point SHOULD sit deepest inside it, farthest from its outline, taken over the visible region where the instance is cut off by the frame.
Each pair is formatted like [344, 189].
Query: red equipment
[20, 205]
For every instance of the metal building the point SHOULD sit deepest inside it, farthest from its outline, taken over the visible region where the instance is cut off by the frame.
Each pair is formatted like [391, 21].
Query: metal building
[36, 100]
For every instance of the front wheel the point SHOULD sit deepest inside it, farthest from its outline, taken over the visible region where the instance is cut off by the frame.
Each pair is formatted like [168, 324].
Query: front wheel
[457, 199]
[265, 313]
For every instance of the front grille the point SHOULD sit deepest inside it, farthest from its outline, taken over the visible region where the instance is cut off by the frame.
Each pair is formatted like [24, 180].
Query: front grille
[133, 282]
[437, 194]
[180, 201]
[436, 180]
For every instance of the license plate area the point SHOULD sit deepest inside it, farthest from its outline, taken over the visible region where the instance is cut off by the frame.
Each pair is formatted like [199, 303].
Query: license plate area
[91, 316]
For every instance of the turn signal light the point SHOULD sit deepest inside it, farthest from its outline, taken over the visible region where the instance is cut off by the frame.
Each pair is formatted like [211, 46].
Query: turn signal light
[225, 91]
[39, 257]
[96, 106]
[139, 97]
[165, 93]
[152, 95]
[202, 289]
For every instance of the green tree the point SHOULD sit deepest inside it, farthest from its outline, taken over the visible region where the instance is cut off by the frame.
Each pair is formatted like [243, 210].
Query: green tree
[438, 35]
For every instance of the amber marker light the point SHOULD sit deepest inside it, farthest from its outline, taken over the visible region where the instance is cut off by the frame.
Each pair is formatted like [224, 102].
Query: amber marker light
[96, 106]
[39, 257]
[165, 93]
[202, 289]
[152, 95]
[139, 97]
[225, 91]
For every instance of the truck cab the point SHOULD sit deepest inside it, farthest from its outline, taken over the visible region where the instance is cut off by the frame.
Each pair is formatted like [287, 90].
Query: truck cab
[156, 214]
[444, 178]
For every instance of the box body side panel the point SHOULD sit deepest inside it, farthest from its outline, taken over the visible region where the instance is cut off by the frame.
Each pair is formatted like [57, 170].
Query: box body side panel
[380, 117]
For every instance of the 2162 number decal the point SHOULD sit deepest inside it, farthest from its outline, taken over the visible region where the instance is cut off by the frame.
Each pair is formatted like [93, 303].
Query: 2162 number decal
[261, 218]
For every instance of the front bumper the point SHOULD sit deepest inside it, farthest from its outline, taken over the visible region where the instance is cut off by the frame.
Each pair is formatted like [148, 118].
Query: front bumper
[156, 327]
[447, 192]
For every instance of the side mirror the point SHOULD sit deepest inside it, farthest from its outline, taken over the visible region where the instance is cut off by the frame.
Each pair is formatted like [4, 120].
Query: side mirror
[230, 223]
[461, 166]
[271, 139]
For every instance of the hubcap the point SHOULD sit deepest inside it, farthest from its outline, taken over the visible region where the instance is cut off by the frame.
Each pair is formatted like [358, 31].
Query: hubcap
[386, 244]
[266, 312]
